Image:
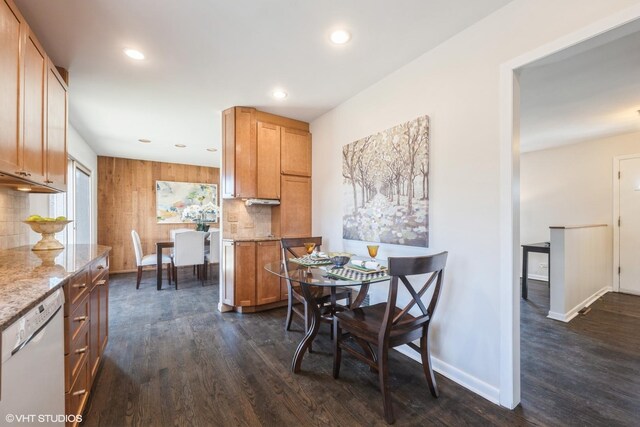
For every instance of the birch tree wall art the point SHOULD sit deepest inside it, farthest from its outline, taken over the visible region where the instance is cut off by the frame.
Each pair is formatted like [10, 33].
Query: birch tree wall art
[386, 186]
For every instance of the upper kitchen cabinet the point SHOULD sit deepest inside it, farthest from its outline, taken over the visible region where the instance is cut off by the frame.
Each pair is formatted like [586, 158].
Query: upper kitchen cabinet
[292, 218]
[295, 150]
[56, 129]
[33, 108]
[239, 157]
[268, 179]
[11, 33]
[33, 151]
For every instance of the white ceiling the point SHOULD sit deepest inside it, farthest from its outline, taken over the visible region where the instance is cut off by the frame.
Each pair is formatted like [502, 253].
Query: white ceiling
[204, 56]
[586, 92]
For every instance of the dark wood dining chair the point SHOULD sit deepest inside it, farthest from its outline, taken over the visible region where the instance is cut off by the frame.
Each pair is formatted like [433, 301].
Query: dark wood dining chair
[386, 326]
[291, 247]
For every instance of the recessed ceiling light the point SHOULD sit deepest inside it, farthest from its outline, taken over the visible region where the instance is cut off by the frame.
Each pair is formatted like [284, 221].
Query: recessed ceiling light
[212, 149]
[144, 141]
[279, 94]
[25, 189]
[340, 36]
[134, 54]
[180, 145]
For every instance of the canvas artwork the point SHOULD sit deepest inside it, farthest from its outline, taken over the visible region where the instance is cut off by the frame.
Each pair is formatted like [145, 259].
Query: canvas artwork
[386, 186]
[180, 202]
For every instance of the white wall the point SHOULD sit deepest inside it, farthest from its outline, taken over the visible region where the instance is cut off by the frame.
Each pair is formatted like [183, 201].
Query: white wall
[569, 185]
[78, 148]
[457, 85]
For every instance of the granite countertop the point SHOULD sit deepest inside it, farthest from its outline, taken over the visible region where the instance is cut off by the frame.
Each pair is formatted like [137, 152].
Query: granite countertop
[27, 277]
[251, 239]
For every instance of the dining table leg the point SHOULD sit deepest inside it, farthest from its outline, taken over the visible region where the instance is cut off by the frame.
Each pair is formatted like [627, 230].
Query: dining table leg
[159, 267]
[314, 325]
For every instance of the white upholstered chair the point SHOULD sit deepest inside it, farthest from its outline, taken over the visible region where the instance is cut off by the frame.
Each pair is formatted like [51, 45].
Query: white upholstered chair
[147, 260]
[178, 230]
[188, 249]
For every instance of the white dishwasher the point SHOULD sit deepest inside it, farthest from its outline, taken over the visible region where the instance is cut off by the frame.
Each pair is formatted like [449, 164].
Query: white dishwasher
[32, 370]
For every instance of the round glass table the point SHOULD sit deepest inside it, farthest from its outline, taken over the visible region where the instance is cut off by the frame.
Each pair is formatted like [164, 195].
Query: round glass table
[312, 276]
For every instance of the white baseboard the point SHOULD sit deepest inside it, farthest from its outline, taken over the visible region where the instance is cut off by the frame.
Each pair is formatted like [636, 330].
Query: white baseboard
[538, 277]
[568, 316]
[489, 392]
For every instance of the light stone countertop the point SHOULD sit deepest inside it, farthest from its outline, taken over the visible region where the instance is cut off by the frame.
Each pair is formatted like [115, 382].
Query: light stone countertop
[27, 277]
[251, 239]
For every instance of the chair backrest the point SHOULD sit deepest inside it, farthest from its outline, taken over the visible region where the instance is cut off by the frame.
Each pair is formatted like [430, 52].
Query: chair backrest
[175, 231]
[291, 246]
[189, 248]
[137, 247]
[399, 269]
[214, 248]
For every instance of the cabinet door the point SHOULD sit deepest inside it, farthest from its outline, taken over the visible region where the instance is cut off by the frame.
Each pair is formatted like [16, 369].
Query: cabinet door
[245, 272]
[295, 149]
[267, 284]
[103, 328]
[268, 161]
[34, 99]
[56, 130]
[94, 331]
[295, 206]
[228, 272]
[11, 27]
[228, 153]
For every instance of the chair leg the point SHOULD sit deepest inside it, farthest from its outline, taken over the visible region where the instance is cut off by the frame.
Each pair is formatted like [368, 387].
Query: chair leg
[139, 278]
[175, 276]
[385, 388]
[426, 363]
[287, 324]
[169, 273]
[337, 351]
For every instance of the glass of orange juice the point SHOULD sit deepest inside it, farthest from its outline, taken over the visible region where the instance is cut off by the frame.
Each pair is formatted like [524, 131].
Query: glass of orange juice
[373, 251]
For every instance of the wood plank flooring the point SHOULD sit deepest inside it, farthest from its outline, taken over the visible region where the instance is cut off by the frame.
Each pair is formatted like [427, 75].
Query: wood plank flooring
[174, 360]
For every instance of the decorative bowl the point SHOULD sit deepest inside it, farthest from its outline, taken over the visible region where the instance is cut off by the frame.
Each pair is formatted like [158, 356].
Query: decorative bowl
[339, 259]
[48, 229]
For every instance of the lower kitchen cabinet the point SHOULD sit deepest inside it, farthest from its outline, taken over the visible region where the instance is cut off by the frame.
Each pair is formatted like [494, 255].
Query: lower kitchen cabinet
[247, 286]
[86, 331]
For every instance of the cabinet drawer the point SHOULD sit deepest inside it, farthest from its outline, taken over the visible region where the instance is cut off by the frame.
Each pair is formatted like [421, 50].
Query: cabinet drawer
[75, 322]
[75, 290]
[78, 355]
[99, 267]
[77, 395]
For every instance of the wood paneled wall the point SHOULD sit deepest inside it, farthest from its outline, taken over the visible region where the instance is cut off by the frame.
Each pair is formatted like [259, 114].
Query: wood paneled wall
[127, 201]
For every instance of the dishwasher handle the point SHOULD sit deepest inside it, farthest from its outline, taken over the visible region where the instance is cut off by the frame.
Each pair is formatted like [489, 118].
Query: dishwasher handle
[33, 335]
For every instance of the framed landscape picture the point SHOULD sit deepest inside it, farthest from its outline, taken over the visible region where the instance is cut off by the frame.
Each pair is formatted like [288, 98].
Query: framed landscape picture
[386, 186]
[186, 202]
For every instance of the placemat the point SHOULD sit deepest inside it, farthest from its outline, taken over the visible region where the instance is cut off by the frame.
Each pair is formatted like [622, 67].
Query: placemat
[349, 274]
[308, 261]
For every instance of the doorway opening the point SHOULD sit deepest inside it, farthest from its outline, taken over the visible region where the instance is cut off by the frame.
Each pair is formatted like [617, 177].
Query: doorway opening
[512, 168]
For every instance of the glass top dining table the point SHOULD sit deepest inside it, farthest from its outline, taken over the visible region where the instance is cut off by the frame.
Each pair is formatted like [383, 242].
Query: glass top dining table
[329, 276]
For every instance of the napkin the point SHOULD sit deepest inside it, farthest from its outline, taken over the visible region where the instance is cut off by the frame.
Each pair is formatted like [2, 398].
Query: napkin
[369, 265]
[319, 255]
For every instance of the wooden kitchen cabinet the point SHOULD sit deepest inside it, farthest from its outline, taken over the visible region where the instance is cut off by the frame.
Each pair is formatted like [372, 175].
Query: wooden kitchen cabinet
[295, 149]
[267, 284]
[57, 109]
[33, 110]
[33, 150]
[245, 274]
[86, 312]
[268, 173]
[293, 217]
[239, 159]
[12, 27]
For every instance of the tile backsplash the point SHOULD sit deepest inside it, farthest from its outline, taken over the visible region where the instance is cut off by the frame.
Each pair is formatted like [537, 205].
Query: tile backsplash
[14, 207]
[241, 221]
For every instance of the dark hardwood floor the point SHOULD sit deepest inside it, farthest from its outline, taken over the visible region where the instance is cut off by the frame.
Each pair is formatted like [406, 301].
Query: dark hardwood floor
[173, 359]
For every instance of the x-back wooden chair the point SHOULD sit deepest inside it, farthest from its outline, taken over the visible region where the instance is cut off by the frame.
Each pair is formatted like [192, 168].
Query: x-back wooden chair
[385, 325]
[291, 248]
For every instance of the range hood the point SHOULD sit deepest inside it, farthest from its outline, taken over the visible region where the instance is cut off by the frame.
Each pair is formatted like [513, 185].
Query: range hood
[263, 202]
